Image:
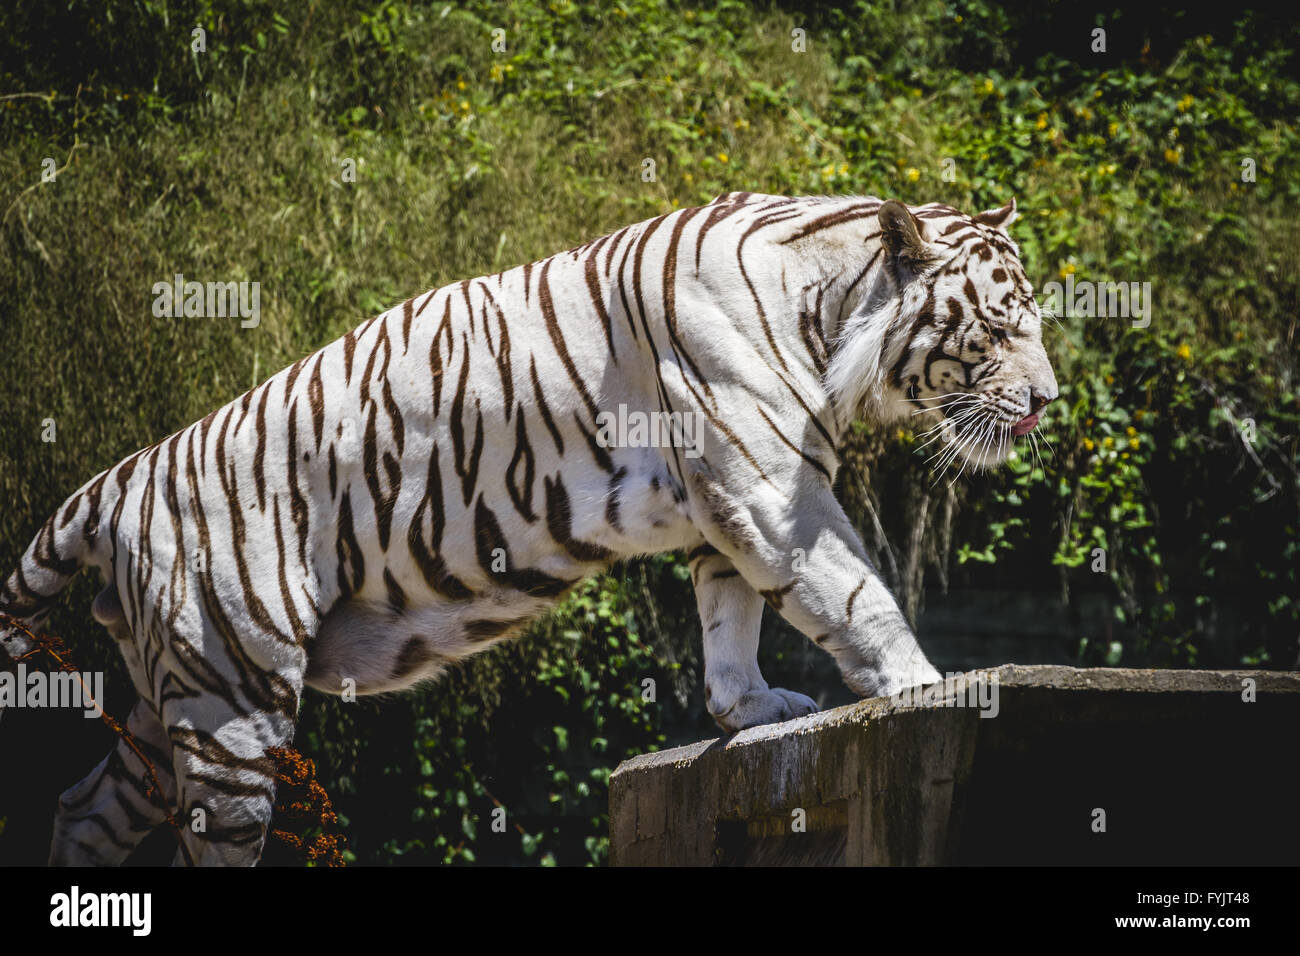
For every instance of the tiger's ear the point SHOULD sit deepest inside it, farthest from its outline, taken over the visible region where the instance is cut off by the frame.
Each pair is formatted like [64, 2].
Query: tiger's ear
[999, 219]
[901, 234]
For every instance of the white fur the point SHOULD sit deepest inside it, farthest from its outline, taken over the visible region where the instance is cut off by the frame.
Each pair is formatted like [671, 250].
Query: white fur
[281, 573]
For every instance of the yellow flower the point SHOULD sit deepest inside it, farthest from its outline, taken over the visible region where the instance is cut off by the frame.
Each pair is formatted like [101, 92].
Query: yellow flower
[987, 88]
[1088, 444]
[742, 123]
[1067, 270]
[1096, 94]
[498, 74]
[675, 203]
[464, 106]
[1112, 129]
[1173, 155]
[1108, 442]
[722, 157]
[1110, 379]
[689, 178]
[1134, 443]
[1131, 431]
[1042, 121]
[1185, 103]
[1184, 351]
[460, 84]
[958, 18]
[1140, 414]
[913, 174]
[844, 169]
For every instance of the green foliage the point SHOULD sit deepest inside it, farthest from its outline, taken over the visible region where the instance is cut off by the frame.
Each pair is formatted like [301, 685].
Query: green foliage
[226, 163]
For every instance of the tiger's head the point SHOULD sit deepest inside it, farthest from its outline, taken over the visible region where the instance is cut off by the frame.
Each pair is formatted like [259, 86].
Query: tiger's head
[955, 341]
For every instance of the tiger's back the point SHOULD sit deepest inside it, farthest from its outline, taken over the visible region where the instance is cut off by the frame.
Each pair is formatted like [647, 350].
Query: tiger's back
[427, 480]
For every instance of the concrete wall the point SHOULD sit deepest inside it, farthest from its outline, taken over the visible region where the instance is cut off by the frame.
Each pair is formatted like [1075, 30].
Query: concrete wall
[1185, 770]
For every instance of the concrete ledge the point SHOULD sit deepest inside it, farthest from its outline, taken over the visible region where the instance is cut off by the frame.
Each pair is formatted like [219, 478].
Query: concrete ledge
[1186, 771]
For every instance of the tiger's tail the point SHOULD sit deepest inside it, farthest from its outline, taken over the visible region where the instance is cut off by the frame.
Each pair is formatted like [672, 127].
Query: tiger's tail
[62, 547]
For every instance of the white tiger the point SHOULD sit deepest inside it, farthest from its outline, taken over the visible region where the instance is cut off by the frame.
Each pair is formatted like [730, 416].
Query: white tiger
[426, 485]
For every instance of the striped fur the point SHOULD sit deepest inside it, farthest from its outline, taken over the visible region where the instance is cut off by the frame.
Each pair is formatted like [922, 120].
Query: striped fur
[426, 485]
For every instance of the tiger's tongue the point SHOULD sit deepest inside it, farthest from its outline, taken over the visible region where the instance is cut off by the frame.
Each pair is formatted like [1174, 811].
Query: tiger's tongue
[1025, 425]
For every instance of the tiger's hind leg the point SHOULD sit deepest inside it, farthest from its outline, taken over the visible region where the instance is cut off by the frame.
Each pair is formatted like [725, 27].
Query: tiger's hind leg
[104, 817]
[225, 779]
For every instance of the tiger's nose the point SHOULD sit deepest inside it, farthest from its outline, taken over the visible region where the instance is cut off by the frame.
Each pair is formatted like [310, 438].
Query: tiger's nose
[1037, 400]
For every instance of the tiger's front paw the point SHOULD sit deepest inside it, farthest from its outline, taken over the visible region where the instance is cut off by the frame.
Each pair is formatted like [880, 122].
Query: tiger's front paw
[872, 682]
[768, 706]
